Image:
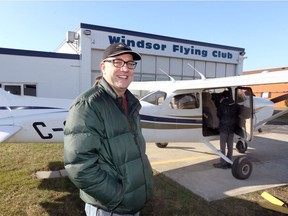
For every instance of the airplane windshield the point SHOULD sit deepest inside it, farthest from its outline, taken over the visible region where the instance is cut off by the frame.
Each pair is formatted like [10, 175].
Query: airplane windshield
[156, 98]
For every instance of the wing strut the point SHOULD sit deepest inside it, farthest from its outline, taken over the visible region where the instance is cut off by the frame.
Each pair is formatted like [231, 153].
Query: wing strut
[241, 167]
[213, 148]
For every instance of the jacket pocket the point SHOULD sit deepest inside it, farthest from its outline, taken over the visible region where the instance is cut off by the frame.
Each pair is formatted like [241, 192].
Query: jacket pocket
[122, 149]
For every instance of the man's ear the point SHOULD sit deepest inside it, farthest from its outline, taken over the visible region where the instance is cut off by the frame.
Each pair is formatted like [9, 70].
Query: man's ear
[102, 65]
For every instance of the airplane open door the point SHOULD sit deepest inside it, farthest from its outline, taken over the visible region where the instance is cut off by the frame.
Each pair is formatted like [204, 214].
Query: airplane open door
[244, 99]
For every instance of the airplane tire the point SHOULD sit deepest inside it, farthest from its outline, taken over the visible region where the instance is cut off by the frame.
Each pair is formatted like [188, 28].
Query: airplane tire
[161, 145]
[242, 168]
[241, 146]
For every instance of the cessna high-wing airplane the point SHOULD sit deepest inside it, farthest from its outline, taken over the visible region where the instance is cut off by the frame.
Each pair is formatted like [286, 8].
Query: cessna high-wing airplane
[173, 111]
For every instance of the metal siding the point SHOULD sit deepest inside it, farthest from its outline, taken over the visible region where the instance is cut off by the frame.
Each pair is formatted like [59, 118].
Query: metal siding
[187, 70]
[230, 70]
[176, 66]
[220, 69]
[201, 67]
[210, 70]
[162, 63]
[148, 64]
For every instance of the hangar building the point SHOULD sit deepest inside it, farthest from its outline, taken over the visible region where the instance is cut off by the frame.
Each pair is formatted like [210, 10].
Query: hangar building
[74, 67]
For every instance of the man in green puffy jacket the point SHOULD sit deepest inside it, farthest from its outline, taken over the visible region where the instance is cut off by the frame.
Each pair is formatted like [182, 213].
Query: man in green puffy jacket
[104, 149]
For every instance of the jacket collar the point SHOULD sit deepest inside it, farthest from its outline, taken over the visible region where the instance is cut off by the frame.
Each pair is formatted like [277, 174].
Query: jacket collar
[131, 99]
[105, 85]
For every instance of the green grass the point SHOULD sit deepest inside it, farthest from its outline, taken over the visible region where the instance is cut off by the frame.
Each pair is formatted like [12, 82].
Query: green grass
[21, 194]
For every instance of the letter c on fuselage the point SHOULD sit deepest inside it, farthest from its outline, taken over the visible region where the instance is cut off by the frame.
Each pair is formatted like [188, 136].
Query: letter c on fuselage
[36, 127]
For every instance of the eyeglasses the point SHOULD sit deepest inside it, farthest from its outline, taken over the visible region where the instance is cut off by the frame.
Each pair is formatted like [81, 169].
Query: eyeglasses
[119, 63]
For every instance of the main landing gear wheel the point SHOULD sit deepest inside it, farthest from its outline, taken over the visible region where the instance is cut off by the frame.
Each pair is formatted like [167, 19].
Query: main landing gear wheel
[241, 146]
[242, 168]
[161, 145]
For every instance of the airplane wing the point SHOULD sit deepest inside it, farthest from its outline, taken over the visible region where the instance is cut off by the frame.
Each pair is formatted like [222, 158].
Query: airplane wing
[243, 80]
[150, 85]
[280, 98]
[7, 131]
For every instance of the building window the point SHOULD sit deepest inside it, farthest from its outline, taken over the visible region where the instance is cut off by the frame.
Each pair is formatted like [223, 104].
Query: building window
[13, 89]
[266, 94]
[30, 90]
[20, 89]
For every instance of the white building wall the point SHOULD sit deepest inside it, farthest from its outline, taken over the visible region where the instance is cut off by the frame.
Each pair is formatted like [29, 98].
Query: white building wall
[54, 77]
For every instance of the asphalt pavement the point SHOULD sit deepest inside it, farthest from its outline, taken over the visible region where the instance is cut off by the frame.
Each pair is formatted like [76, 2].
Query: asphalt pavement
[191, 165]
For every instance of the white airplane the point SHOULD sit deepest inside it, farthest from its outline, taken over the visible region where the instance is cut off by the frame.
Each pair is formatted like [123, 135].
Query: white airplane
[174, 111]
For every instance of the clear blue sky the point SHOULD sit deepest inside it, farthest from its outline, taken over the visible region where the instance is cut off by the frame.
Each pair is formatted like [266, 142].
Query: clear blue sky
[258, 26]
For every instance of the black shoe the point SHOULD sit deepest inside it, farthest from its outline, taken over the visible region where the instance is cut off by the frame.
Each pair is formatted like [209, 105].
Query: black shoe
[229, 166]
[220, 165]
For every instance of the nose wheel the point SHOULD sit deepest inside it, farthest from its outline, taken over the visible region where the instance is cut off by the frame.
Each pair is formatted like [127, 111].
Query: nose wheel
[241, 146]
[161, 145]
[242, 168]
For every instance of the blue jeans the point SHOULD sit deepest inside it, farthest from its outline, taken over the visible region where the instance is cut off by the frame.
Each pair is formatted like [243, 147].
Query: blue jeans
[94, 211]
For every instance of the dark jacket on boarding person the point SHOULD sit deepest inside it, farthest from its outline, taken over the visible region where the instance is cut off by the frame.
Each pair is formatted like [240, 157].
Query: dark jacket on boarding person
[228, 114]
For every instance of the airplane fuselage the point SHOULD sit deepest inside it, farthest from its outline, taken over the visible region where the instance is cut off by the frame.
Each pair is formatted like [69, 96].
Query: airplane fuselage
[32, 119]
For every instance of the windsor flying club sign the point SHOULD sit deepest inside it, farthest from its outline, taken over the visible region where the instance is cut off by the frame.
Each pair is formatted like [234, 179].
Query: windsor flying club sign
[169, 48]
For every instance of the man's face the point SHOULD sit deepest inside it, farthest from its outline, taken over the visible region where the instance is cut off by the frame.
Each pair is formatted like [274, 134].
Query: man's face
[118, 77]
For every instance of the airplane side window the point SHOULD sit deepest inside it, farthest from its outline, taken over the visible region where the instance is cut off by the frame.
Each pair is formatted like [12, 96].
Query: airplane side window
[185, 101]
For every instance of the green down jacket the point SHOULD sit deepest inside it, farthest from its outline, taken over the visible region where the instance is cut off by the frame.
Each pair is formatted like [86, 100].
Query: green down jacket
[104, 151]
